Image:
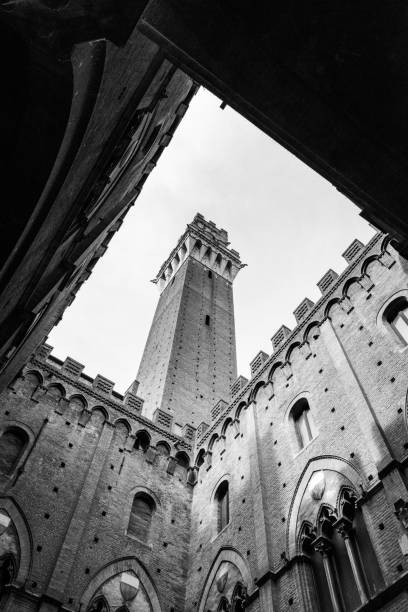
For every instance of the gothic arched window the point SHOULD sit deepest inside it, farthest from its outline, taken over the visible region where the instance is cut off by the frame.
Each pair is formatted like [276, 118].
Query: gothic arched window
[99, 604]
[223, 606]
[142, 441]
[345, 566]
[396, 316]
[7, 572]
[12, 445]
[302, 421]
[239, 597]
[141, 514]
[222, 501]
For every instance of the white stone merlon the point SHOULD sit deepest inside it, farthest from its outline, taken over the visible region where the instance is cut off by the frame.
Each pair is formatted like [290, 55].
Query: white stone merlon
[353, 250]
[301, 311]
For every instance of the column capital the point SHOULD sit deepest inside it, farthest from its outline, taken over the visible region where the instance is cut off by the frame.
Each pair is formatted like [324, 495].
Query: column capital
[322, 545]
[344, 527]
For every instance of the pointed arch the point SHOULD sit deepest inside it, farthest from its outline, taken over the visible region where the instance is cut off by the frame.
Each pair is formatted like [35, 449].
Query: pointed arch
[183, 459]
[24, 536]
[330, 304]
[125, 564]
[231, 555]
[200, 458]
[349, 282]
[252, 395]
[212, 441]
[121, 421]
[274, 368]
[241, 406]
[290, 350]
[309, 331]
[326, 462]
[367, 262]
[225, 425]
[56, 391]
[79, 400]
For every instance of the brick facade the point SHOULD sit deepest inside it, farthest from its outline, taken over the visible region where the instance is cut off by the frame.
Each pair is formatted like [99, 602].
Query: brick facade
[69, 495]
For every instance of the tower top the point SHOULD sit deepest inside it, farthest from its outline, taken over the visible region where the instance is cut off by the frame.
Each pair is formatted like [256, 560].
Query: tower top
[206, 243]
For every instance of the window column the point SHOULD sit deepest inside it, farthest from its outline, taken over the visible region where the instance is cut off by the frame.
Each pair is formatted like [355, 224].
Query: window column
[324, 547]
[345, 528]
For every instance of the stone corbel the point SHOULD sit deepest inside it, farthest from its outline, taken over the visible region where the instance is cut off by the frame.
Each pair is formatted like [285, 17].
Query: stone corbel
[130, 443]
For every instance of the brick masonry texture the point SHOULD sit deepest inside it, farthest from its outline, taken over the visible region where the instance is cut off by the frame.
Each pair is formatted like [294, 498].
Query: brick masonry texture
[71, 492]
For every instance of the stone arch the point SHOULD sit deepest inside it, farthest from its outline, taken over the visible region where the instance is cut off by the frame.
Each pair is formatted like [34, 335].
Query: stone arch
[252, 395]
[225, 425]
[13, 424]
[231, 555]
[367, 262]
[290, 350]
[102, 410]
[330, 304]
[117, 567]
[309, 329]
[56, 390]
[142, 439]
[163, 448]
[24, 536]
[347, 285]
[200, 458]
[79, 400]
[241, 406]
[274, 368]
[36, 374]
[124, 422]
[212, 441]
[326, 462]
[183, 459]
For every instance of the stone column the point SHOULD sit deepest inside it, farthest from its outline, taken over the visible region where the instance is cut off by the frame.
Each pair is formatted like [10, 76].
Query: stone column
[345, 529]
[324, 547]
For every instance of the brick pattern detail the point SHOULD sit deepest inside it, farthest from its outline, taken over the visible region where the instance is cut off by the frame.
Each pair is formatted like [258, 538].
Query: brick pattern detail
[238, 385]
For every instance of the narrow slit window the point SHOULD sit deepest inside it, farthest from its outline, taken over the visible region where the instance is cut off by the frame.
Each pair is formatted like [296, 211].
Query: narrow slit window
[207, 319]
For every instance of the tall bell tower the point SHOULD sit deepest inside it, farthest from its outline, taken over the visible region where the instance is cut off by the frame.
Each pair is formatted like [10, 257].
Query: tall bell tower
[189, 361]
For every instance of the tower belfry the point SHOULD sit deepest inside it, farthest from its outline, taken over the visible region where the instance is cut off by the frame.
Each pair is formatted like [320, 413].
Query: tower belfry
[189, 361]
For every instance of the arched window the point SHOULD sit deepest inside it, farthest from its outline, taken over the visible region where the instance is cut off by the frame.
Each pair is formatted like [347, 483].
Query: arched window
[222, 501]
[163, 449]
[7, 572]
[239, 597]
[223, 606]
[345, 566]
[141, 514]
[396, 316]
[142, 441]
[302, 420]
[183, 459]
[99, 604]
[12, 444]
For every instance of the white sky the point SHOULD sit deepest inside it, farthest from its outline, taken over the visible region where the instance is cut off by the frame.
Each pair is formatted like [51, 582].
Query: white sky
[289, 225]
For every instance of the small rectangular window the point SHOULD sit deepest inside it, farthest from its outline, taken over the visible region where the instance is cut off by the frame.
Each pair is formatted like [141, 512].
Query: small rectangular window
[209, 274]
[207, 319]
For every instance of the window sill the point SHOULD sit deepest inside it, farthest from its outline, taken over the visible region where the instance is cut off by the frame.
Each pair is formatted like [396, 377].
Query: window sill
[306, 446]
[141, 542]
[220, 532]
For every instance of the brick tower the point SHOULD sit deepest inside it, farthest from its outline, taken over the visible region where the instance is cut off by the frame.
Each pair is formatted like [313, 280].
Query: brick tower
[189, 361]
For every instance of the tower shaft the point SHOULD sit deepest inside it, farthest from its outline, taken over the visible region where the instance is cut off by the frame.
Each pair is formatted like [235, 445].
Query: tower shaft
[189, 361]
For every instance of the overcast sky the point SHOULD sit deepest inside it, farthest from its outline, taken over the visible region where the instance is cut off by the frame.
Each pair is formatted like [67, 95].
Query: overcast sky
[289, 225]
